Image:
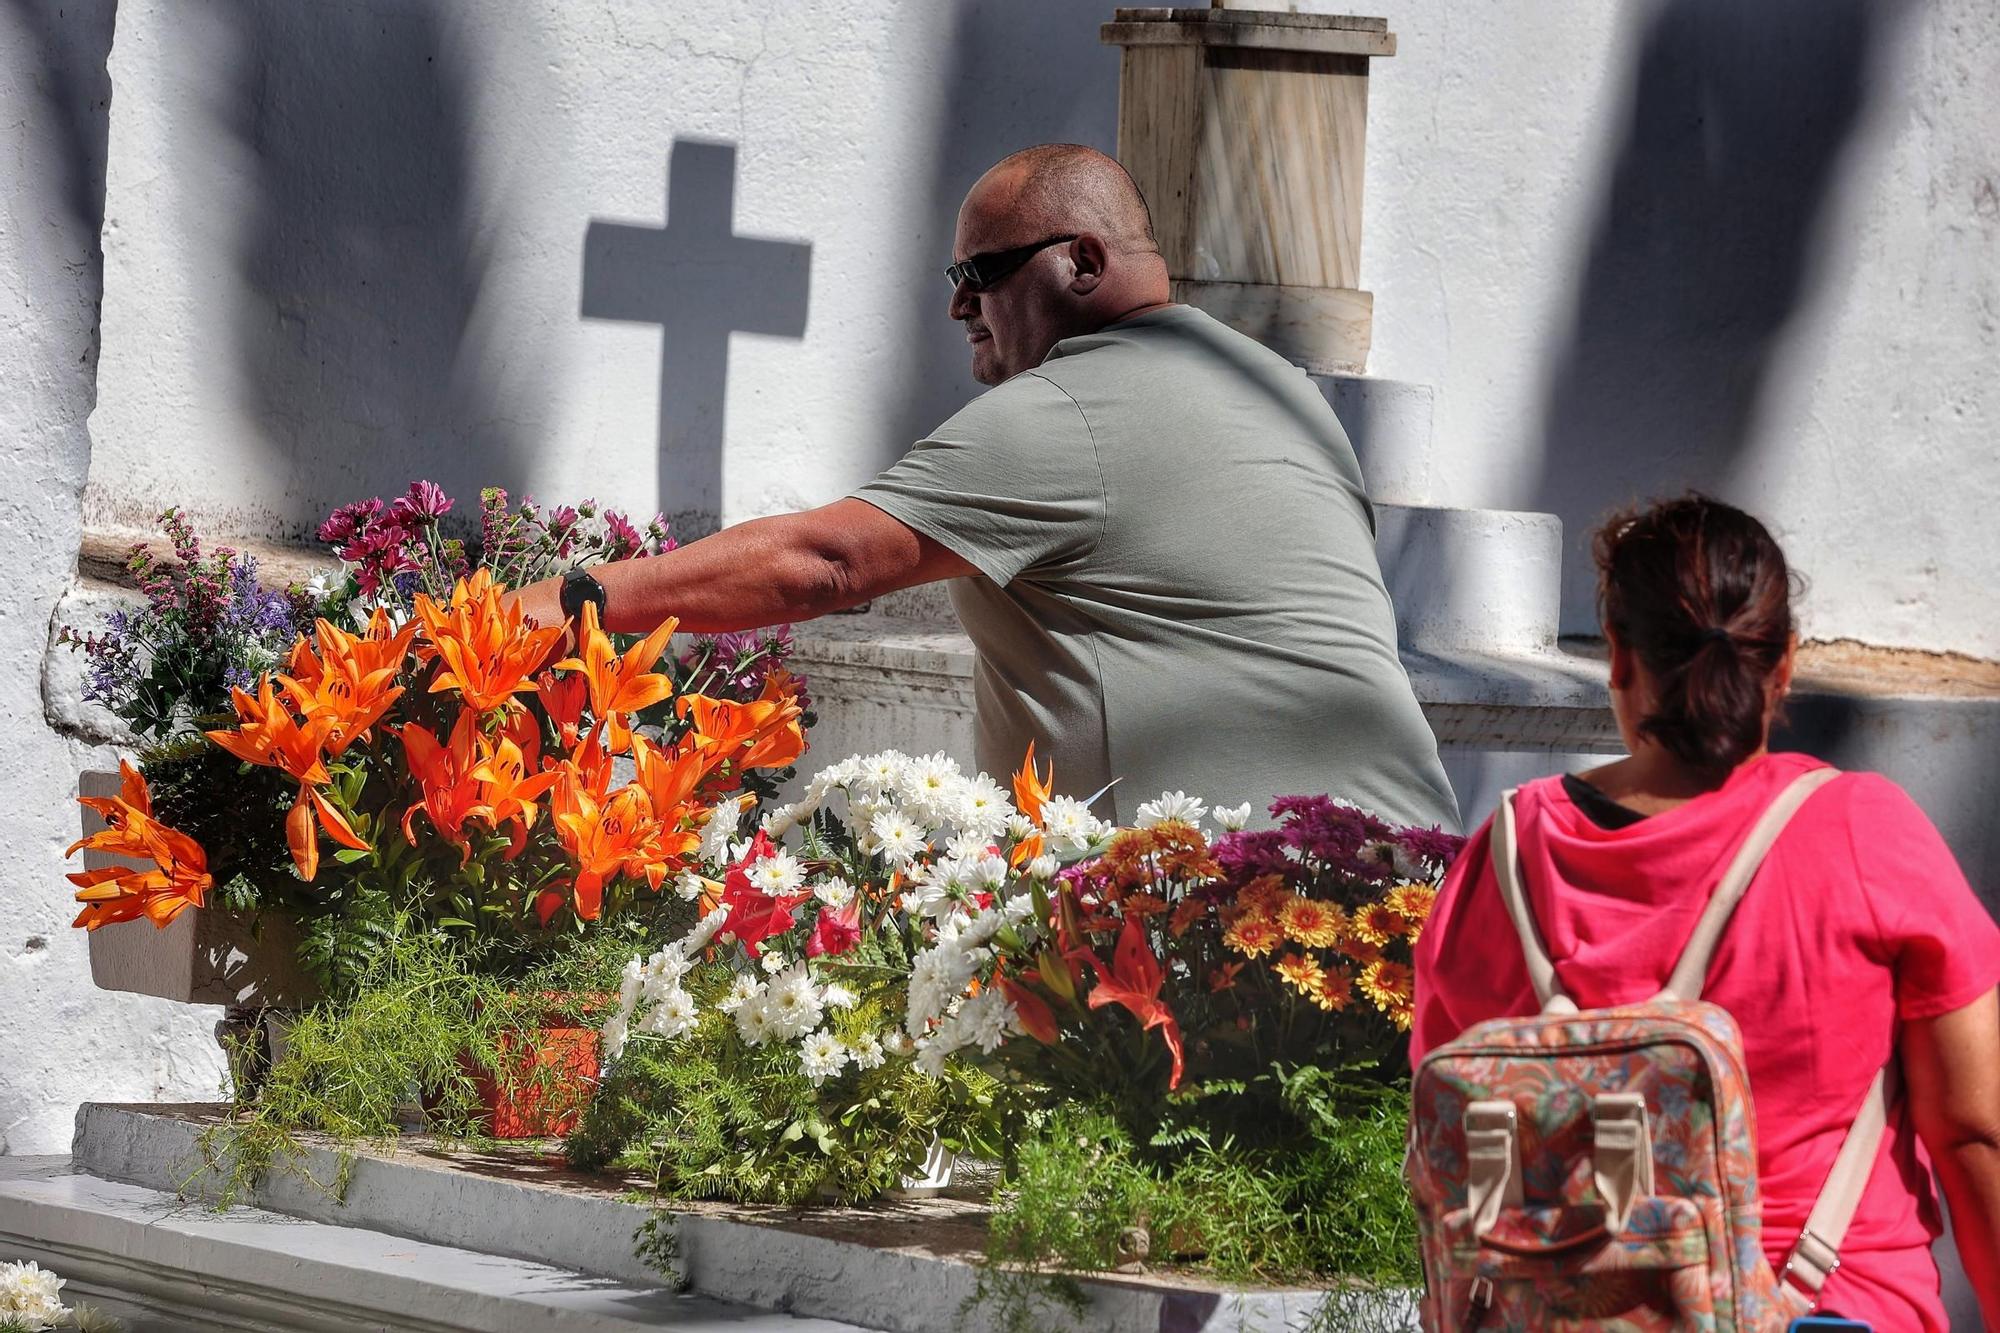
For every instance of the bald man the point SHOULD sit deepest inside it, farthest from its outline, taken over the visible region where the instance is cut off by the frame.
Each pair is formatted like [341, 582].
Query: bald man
[1155, 531]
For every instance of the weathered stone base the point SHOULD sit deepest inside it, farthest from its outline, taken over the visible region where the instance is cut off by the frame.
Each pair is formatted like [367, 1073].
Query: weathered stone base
[907, 1266]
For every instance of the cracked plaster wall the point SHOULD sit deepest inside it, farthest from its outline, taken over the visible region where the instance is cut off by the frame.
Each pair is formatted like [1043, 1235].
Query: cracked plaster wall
[61, 1040]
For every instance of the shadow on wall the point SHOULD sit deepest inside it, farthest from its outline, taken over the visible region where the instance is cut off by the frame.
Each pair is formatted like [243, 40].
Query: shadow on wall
[73, 43]
[1703, 251]
[1018, 73]
[699, 281]
[362, 254]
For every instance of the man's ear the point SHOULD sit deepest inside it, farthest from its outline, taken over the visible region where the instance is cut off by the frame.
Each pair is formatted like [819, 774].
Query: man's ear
[1088, 260]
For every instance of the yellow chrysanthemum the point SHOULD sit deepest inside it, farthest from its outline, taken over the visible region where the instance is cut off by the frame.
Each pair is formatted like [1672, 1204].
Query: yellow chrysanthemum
[1302, 971]
[1336, 990]
[1413, 902]
[1390, 987]
[1263, 895]
[1378, 923]
[1254, 936]
[1315, 924]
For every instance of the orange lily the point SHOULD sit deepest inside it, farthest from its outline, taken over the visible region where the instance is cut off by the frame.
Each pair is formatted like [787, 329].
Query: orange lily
[489, 653]
[1030, 793]
[178, 880]
[1134, 981]
[563, 697]
[619, 686]
[271, 737]
[448, 778]
[606, 839]
[761, 733]
[506, 792]
[670, 777]
[351, 680]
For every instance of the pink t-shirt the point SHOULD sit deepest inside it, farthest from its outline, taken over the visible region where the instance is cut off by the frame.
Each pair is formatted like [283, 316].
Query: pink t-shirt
[1859, 919]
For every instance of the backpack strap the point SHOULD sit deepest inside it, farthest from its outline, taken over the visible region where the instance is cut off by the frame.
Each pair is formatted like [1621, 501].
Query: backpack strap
[1513, 892]
[1817, 1252]
[1691, 972]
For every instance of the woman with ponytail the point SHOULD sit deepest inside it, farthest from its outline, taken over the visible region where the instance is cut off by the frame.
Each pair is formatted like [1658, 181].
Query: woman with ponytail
[1858, 936]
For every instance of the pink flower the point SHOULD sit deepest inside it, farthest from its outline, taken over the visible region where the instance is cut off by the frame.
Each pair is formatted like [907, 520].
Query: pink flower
[625, 539]
[426, 500]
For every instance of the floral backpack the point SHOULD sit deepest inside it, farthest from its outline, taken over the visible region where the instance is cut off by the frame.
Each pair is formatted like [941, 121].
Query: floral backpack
[1597, 1169]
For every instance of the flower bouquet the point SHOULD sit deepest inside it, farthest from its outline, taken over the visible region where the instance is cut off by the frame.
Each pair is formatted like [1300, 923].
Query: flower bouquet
[768, 1054]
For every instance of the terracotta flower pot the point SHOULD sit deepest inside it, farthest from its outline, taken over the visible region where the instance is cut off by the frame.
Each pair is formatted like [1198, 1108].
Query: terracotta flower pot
[549, 1076]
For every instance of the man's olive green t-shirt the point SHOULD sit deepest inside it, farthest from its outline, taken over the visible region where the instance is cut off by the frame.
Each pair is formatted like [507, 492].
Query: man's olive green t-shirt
[1178, 583]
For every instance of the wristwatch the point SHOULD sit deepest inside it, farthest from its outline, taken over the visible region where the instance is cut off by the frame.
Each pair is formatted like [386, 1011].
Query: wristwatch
[578, 589]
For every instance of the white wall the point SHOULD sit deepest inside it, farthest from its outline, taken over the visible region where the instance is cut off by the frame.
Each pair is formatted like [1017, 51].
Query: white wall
[1750, 247]
[61, 1040]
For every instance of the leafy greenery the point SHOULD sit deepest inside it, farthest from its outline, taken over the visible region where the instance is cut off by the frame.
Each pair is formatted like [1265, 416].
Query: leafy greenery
[706, 1116]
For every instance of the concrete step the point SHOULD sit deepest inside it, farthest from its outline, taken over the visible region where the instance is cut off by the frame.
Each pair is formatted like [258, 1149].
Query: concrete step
[165, 1265]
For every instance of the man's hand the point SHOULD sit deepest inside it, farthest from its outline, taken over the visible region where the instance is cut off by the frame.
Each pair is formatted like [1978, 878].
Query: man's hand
[540, 603]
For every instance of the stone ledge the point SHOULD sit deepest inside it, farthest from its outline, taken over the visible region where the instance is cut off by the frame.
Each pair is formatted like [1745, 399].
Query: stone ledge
[144, 1254]
[900, 1266]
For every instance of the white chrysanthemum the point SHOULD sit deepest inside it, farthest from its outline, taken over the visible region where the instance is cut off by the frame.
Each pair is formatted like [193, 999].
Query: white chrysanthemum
[754, 1021]
[881, 773]
[983, 809]
[835, 892]
[31, 1296]
[672, 1016]
[1233, 817]
[931, 1055]
[720, 831]
[929, 987]
[821, 1056]
[867, 1052]
[664, 970]
[931, 780]
[704, 930]
[630, 980]
[1019, 826]
[615, 1032]
[794, 1003]
[965, 848]
[777, 823]
[773, 963]
[1043, 867]
[986, 1019]
[745, 990]
[778, 874]
[689, 884]
[1172, 805]
[899, 840]
[987, 873]
[1070, 825]
[837, 996]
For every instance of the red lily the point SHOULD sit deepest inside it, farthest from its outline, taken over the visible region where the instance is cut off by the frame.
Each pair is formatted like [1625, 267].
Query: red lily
[835, 932]
[1033, 1012]
[755, 916]
[1134, 981]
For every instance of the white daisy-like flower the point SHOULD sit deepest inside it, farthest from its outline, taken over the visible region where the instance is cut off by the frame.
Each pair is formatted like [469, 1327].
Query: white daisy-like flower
[867, 1052]
[1019, 826]
[777, 823]
[773, 962]
[882, 772]
[1069, 824]
[754, 1022]
[672, 1016]
[689, 884]
[983, 809]
[965, 848]
[899, 840]
[669, 964]
[616, 1029]
[1043, 867]
[1233, 817]
[31, 1296]
[987, 1019]
[987, 873]
[930, 779]
[630, 980]
[720, 831]
[834, 892]
[704, 930]
[821, 1056]
[837, 996]
[778, 874]
[745, 990]
[795, 1004]
[1172, 805]
[931, 1056]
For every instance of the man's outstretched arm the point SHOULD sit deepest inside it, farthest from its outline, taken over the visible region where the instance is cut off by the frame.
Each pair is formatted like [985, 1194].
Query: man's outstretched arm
[763, 572]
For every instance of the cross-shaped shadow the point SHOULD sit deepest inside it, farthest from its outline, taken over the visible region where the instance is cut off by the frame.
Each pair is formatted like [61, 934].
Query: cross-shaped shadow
[699, 282]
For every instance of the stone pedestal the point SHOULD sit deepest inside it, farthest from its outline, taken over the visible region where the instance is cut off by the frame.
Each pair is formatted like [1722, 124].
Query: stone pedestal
[1246, 131]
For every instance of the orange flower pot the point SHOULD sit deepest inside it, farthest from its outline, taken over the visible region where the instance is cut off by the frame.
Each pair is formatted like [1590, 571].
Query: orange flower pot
[551, 1075]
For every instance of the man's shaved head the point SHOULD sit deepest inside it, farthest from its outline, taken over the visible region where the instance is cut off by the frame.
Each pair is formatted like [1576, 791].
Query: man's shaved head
[1066, 187]
[1094, 260]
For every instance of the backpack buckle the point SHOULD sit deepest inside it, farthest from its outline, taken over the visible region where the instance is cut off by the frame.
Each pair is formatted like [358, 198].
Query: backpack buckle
[1492, 1161]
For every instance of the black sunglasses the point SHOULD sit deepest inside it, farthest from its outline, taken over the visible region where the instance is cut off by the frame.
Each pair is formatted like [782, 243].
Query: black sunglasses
[978, 272]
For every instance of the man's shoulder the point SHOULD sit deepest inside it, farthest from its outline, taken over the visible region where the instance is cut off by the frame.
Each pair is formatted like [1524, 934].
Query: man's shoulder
[1029, 401]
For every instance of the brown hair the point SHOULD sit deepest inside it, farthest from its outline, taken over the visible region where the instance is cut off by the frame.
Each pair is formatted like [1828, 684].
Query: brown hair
[1701, 594]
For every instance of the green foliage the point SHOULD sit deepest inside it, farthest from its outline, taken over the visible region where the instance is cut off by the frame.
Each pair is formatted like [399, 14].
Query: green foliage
[706, 1116]
[414, 1037]
[1323, 1197]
